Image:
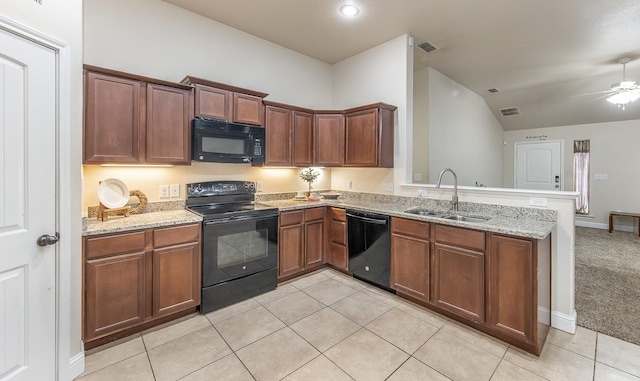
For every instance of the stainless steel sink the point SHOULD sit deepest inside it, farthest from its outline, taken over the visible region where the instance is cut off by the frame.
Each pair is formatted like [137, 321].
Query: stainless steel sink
[423, 212]
[458, 217]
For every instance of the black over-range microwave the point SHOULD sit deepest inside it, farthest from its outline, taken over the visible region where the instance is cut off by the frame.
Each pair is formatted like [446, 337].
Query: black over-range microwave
[225, 142]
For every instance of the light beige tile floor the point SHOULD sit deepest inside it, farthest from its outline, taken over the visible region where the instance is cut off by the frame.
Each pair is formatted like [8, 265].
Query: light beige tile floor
[327, 326]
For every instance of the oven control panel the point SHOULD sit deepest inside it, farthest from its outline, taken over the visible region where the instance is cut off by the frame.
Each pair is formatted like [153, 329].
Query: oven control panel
[211, 188]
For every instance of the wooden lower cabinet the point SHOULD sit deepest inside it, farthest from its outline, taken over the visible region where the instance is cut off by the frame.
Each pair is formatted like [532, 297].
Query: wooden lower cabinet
[513, 287]
[133, 278]
[458, 281]
[410, 257]
[338, 255]
[300, 241]
[114, 293]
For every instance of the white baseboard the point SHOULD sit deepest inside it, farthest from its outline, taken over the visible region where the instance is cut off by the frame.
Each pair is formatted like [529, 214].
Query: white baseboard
[564, 322]
[76, 365]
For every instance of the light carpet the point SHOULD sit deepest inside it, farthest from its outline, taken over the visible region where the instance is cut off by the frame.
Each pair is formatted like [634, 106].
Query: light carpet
[608, 282]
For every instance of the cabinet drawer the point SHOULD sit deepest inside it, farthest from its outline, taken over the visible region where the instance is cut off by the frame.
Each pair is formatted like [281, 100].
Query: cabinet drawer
[338, 214]
[314, 214]
[472, 239]
[115, 244]
[291, 218]
[175, 235]
[411, 228]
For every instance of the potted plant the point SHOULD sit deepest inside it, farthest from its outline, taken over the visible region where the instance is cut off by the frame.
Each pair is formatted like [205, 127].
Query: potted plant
[309, 175]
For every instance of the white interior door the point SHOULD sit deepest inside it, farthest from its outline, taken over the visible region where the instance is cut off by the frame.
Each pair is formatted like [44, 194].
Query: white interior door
[539, 165]
[27, 209]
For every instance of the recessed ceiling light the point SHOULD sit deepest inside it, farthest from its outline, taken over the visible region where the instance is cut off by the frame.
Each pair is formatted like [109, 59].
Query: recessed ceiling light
[349, 10]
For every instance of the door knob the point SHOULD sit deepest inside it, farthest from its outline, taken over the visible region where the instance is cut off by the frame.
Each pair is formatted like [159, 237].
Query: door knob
[46, 239]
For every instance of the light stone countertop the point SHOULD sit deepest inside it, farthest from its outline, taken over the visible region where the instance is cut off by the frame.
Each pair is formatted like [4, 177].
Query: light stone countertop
[139, 221]
[520, 227]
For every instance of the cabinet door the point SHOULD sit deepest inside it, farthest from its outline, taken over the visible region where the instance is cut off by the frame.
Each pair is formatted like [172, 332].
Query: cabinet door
[329, 140]
[247, 109]
[114, 294]
[458, 281]
[112, 122]
[338, 255]
[302, 147]
[361, 139]
[314, 243]
[410, 266]
[176, 278]
[511, 287]
[168, 125]
[277, 136]
[213, 103]
[291, 250]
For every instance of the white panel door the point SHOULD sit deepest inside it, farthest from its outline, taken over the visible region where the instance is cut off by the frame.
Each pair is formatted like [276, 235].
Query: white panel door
[27, 209]
[539, 165]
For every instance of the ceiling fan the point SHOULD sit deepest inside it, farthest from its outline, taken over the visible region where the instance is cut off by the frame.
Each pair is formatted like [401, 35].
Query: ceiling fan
[623, 92]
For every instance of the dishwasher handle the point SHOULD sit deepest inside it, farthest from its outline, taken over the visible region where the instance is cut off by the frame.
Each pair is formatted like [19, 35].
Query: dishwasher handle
[367, 219]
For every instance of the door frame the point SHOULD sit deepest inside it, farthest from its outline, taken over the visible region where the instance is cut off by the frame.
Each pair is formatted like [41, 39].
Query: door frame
[63, 302]
[515, 159]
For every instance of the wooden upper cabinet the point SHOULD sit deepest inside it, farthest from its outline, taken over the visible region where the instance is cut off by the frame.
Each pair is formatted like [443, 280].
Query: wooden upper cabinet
[225, 102]
[130, 119]
[288, 135]
[112, 123]
[213, 103]
[168, 125]
[278, 131]
[369, 136]
[302, 147]
[329, 140]
[247, 109]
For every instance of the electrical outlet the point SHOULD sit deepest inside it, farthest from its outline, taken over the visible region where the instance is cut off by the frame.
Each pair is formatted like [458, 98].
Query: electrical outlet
[417, 176]
[538, 201]
[349, 184]
[174, 190]
[600, 176]
[388, 187]
[164, 191]
[422, 192]
[258, 186]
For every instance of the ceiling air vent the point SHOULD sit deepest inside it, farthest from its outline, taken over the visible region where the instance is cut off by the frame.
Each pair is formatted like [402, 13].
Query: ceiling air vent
[510, 111]
[427, 47]
[493, 90]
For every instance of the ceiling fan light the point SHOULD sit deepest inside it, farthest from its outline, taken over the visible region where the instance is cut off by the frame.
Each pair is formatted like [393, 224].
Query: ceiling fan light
[349, 10]
[624, 96]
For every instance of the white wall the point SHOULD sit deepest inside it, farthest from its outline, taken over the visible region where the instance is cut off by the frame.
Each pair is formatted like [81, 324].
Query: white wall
[381, 74]
[420, 126]
[614, 152]
[169, 43]
[464, 135]
[62, 20]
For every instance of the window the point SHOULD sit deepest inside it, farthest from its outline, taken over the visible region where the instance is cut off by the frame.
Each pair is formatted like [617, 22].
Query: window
[581, 174]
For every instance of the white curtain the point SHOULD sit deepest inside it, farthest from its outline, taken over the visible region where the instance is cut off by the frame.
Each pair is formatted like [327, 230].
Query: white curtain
[581, 174]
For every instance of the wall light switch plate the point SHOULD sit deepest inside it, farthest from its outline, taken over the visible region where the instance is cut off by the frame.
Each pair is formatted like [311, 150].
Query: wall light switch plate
[174, 190]
[349, 184]
[600, 176]
[388, 187]
[538, 201]
[164, 191]
[258, 186]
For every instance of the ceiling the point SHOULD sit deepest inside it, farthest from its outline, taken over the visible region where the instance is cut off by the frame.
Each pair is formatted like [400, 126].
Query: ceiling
[539, 54]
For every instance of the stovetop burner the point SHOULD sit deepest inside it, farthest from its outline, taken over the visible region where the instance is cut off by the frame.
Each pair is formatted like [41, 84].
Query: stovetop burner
[224, 200]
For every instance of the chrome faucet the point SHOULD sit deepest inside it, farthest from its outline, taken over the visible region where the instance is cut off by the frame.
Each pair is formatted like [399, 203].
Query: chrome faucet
[454, 199]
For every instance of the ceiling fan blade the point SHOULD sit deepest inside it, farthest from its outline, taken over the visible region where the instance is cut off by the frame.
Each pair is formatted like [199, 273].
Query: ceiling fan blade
[597, 92]
[600, 97]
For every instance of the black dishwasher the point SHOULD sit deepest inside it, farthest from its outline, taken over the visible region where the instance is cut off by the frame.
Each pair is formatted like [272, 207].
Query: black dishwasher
[369, 247]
